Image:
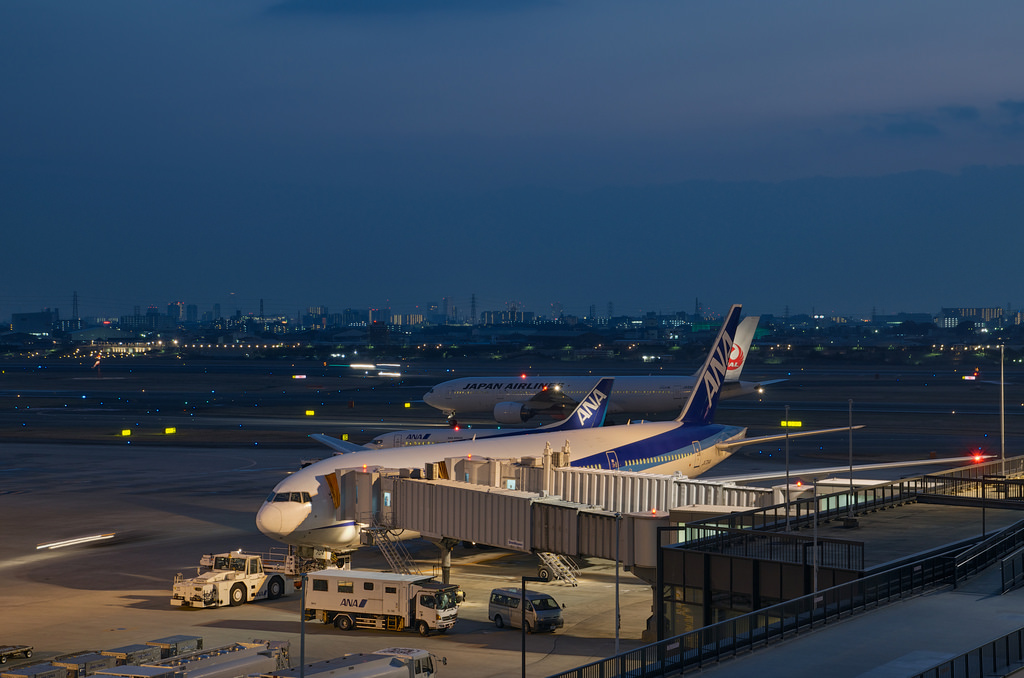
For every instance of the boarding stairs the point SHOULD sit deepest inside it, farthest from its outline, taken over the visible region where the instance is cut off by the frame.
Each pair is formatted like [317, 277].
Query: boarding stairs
[555, 566]
[394, 551]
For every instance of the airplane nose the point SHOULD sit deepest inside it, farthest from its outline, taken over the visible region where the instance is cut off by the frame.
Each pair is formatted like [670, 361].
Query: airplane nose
[269, 520]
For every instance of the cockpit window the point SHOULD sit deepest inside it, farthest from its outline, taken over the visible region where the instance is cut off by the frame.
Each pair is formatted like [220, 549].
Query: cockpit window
[298, 497]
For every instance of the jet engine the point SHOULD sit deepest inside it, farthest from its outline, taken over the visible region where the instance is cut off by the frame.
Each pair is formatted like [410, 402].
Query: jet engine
[511, 413]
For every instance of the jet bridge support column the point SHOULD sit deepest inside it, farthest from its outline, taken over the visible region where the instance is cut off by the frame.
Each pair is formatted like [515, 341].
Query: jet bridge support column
[446, 544]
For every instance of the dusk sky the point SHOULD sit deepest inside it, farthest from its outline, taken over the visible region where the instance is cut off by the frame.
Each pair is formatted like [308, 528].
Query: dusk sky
[809, 156]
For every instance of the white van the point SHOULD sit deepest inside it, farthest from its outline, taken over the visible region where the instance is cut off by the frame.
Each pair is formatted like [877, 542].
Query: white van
[542, 612]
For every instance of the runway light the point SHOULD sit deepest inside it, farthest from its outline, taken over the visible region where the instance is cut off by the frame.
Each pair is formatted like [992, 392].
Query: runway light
[408, 405]
[126, 432]
[310, 413]
[170, 430]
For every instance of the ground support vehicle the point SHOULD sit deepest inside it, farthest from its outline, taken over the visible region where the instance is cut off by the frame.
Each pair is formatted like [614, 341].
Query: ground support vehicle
[380, 600]
[392, 662]
[8, 651]
[542, 612]
[233, 579]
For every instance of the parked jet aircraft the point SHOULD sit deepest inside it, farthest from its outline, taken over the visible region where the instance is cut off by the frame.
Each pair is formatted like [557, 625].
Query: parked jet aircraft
[589, 413]
[302, 511]
[514, 400]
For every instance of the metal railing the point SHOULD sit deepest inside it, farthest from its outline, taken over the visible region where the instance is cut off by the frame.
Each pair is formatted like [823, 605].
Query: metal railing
[985, 553]
[711, 644]
[1000, 657]
[757, 530]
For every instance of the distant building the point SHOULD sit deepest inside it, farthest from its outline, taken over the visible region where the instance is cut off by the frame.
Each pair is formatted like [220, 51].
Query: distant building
[39, 324]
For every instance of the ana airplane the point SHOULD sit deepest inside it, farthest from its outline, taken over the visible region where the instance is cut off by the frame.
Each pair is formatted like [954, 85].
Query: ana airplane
[590, 412]
[301, 510]
[515, 400]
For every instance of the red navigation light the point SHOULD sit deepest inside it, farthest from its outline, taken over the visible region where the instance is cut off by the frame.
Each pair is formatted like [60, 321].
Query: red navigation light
[523, 375]
[455, 428]
[978, 457]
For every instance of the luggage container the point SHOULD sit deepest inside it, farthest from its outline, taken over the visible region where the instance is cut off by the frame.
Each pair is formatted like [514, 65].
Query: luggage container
[174, 645]
[137, 653]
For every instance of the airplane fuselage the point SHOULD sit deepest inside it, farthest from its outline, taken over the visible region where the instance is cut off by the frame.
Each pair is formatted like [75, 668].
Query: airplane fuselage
[654, 447]
[631, 393]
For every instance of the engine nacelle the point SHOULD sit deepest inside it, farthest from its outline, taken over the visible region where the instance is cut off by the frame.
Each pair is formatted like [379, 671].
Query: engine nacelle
[511, 413]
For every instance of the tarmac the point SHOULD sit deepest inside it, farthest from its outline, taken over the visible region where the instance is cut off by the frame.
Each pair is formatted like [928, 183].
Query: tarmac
[169, 502]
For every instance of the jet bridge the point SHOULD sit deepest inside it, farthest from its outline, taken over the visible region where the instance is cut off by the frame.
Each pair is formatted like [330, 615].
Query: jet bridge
[534, 505]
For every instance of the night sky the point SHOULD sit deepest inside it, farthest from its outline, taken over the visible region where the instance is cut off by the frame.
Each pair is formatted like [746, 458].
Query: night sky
[801, 156]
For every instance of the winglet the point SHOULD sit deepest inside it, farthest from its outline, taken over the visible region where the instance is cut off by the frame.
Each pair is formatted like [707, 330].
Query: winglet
[342, 446]
[700, 408]
[590, 412]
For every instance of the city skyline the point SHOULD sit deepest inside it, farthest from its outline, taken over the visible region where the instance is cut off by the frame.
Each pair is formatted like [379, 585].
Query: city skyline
[830, 159]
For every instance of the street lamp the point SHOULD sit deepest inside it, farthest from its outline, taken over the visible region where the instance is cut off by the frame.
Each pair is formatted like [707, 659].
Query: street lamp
[786, 426]
[849, 503]
[302, 628]
[522, 620]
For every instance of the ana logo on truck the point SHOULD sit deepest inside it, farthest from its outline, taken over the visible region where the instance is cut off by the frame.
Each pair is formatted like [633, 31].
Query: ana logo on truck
[354, 602]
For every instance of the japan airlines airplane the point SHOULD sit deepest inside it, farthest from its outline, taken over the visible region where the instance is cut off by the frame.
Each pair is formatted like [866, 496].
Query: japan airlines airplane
[302, 511]
[589, 413]
[515, 400]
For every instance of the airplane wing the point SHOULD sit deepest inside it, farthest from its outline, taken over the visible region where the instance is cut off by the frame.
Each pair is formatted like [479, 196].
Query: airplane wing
[337, 444]
[735, 445]
[832, 470]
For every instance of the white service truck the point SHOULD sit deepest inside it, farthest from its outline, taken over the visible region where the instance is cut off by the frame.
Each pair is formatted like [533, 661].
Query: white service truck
[380, 600]
[235, 578]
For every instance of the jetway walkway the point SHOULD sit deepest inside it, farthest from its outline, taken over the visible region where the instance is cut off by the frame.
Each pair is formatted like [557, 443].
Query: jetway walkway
[535, 505]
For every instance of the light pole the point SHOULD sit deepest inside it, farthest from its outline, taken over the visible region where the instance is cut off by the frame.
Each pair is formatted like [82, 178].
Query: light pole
[849, 503]
[1002, 414]
[522, 620]
[302, 628]
[618, 620]
[786, 426]
[815, 584]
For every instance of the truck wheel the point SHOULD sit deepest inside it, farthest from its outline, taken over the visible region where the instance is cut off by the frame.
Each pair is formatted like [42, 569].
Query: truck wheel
[544, 573]
[275, 589]
[423, 628]
[28, 653]
[237, 595]
[498, 621]
[3, 659]
[343, 622]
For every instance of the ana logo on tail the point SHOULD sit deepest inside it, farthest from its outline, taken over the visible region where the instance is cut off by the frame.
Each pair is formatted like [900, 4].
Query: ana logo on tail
[587, 407]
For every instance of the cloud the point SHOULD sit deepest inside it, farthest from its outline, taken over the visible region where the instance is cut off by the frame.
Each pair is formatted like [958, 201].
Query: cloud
[961, 113]
[911, 129]
[404, 7]
[1014, 108]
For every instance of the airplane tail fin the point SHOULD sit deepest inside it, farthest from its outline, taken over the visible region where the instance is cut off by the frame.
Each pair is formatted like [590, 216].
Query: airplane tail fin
[590, 412]
[700, 408]
[741, 347]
